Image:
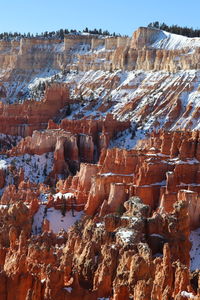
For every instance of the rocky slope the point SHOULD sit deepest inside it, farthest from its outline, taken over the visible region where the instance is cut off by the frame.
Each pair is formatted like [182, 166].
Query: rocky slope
[99, 168]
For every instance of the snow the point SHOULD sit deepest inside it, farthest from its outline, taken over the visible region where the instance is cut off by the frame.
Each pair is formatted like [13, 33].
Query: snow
[161, 183]
[188, 191]
[157, 235]
[58, 221]
[3, 164]
[138, 87]
[131, 219]
[187, 295]
[3, 206]
[177, 161]
[36, 167]
[132, 84]
[171, 41]
[38, 220]
[195, 250]
[100, 224]
[69, 289]
[115, 174]
[65, 196]
[157, 255]
[125, 234]
[26, 84]
[125, 139]
[44, 197]
[10, 139]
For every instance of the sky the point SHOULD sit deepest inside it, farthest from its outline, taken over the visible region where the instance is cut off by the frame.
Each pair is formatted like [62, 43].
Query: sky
[119, 16]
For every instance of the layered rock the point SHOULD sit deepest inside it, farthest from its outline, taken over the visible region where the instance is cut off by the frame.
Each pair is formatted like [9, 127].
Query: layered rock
[23, 119]
[140, 205]
[101, 130]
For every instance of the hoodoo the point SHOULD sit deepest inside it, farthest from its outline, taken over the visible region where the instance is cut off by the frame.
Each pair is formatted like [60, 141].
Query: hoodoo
[100, 167]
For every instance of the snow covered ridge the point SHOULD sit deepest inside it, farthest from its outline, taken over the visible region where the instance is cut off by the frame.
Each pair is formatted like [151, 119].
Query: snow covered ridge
[171, 41]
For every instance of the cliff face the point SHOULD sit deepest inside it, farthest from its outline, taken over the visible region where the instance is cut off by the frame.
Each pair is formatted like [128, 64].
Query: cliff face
[17, 54]
[96, 202]
[103, 75]
[148, 49]
[23, 119]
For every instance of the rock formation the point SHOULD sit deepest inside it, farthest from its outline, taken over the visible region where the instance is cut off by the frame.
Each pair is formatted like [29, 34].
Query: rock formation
[96, 200]
[23, 119]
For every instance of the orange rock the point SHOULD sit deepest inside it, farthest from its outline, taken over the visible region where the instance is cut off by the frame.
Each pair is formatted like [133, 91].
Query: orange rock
[23, 119]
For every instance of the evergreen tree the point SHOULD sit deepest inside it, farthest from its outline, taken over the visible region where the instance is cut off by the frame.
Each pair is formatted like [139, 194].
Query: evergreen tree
[85, 30]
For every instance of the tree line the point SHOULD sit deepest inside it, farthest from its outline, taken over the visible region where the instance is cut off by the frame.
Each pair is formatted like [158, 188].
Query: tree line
[186, 31]
[59, 34]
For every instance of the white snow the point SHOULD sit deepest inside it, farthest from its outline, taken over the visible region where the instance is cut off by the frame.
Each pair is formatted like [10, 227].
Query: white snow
[36, 167]
[132, 84]
[38, 220]
[65, 196]
[100, 224]
[116, 174]
[3, 164]
[161, 183]
[44, 197]
[124, 234]
[195, 250]
[3, 206]
[138, 87]
[187, 295]
[171, 41]
[58, 221]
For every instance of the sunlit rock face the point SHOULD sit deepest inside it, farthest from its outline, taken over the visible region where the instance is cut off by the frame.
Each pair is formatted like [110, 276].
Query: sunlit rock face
[99, 167]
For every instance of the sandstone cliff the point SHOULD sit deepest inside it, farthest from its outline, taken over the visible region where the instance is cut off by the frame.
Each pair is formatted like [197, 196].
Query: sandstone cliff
[85, 214]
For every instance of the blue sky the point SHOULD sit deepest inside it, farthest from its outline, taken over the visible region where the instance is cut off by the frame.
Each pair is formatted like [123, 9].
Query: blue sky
[120, 16]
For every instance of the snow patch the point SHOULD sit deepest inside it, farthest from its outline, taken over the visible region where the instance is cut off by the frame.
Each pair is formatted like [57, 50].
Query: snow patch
[195, 250]
[125, 234]
[38, 220]
[65, 196]
[69, 289]
[58, 222]
[36, 167]
[187, 295]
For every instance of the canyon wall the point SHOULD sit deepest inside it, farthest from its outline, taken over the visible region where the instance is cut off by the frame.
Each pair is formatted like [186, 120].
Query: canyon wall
[116, 53]
[81, 218]
[23, 119]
